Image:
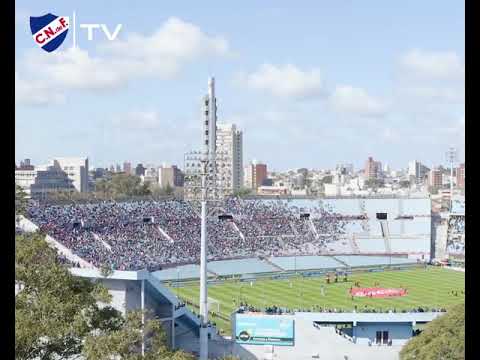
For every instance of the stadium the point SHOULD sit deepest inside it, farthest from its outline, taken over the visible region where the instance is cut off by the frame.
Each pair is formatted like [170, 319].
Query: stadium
[330, 276]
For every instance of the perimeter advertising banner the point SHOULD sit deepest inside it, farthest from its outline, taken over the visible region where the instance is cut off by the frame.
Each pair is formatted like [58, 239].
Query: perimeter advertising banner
[264, 330]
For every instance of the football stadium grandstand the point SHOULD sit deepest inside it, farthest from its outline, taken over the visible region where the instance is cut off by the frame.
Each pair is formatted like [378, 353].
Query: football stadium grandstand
[456, 229]
[153, 235]
[153, 248]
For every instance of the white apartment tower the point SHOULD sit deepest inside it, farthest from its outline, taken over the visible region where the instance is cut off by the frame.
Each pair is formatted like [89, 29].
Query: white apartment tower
[230, 159]
[225, 143]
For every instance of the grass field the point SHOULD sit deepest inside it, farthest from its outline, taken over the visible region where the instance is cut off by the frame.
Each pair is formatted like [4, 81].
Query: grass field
[429, 287]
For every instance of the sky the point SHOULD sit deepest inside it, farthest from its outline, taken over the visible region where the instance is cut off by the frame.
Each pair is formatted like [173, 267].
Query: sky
[310, 83]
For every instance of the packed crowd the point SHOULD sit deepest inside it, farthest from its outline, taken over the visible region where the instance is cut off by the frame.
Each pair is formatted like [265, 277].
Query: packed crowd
[278, 310]
[149, 234]
[456, 235]
[456, 224]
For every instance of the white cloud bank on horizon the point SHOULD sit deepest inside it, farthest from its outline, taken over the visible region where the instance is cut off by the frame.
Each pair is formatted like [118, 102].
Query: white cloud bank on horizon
[356, 101]
[161, 54]
[433, 77]
[36, 93]
[434, 65]
[285, 81]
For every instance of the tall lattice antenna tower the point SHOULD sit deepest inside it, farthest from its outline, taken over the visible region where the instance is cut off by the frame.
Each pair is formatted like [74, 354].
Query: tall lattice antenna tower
[451, 158]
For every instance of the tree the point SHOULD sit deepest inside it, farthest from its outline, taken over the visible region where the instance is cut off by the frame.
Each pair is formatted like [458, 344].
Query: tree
[125, 184]
[443, 338]
[53, 310]
[58, 316]
[404, 184]
[242, 192]
[125, 342]
[103, 188]
[21, 201]
[167, 190]
[122, 185]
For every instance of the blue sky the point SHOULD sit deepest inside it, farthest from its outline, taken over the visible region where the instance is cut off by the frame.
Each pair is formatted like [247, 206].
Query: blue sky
[311, 83]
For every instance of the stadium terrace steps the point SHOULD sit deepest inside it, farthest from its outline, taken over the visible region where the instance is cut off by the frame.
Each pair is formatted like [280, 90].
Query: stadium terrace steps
[164, 233]
[354, 244]
[341, 261]
[295, 231]
[213, 273]
[240, 266]
[104, 244]
[293, 263]
[273, 264]
[365, 260]
[232, 224]
[182, 272]
[313, 229]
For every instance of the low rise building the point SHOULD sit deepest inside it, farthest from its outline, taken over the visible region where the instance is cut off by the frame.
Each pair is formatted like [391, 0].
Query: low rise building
[170, 176]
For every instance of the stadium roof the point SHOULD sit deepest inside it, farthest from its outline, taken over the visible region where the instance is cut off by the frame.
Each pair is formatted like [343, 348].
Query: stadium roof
[370, 317]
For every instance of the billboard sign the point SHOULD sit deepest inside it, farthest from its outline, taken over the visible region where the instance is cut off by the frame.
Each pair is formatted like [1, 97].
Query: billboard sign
[264, 330]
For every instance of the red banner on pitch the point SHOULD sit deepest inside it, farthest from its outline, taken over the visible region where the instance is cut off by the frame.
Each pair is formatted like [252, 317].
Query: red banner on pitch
[377, 292]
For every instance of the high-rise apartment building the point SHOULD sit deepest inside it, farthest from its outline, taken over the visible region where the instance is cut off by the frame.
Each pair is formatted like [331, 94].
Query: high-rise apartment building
[229, 157]
[255, 175]
[373, 169]
[127, 168]
[229, 161]
[417, 170]
[435, 178]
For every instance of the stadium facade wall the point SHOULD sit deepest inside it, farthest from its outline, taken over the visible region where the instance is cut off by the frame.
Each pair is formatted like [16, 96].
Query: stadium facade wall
[139, 290]
[399, 333]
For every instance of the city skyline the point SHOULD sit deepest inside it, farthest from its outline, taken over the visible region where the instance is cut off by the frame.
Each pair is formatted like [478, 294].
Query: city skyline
[293, 90]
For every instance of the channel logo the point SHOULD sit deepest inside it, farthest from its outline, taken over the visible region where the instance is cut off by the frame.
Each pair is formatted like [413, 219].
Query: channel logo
[49, 31]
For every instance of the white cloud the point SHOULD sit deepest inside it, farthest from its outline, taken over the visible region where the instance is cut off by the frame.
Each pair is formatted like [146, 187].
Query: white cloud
[160, 55]
[438, 94]
[284, 81]
[427, 77]
[434, 65]
[175, 40]
[76, 69]
[356, 101]
[35, 93]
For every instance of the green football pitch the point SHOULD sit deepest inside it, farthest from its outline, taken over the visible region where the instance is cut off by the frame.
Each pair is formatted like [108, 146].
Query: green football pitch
[430, 287]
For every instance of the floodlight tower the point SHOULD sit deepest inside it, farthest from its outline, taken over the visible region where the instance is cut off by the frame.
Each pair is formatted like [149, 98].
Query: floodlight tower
[208, 184]
[451, 158]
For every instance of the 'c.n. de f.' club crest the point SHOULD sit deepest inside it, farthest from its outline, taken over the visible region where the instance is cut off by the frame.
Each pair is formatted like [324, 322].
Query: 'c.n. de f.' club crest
[49, 31]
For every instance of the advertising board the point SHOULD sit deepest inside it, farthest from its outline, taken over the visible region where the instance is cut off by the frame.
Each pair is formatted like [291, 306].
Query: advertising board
[264, 330]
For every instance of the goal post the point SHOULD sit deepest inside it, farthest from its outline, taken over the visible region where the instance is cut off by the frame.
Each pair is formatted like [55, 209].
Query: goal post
[213, 305]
